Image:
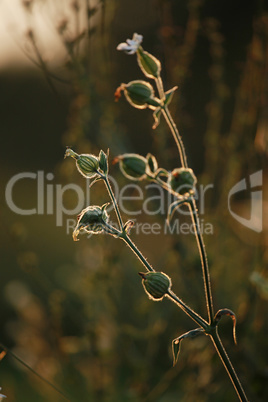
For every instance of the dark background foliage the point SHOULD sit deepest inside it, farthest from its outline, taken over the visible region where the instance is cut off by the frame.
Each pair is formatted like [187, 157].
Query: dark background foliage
[76, 312]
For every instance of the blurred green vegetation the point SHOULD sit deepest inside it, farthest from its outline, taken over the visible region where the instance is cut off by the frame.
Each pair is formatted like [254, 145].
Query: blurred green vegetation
[76, 312]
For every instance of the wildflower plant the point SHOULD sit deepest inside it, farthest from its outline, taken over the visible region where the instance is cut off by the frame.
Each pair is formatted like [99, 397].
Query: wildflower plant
[180, 183]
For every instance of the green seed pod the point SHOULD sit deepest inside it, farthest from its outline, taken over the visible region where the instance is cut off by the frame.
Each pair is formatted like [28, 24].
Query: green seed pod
[182, 180]
[92, 220]
[156, 284]
[133, 166]
[140, 94]
[149, 64]
[86, 164]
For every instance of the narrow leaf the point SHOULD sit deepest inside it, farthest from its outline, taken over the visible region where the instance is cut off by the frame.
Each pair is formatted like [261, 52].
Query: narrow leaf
[95, 181]
[230, 313]
[128, 226]
[173, 207]
[169, 95]
[161, 172]
[176, 343]
[103, 164]
[156, 115]
[152, 164]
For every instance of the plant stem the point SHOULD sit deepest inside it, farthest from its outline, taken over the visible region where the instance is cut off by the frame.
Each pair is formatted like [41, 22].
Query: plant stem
[50, 384]
[176, 135]
[170, 122]
[191, 313]
[136, 251]
[227, 364]
[213, 332]
[170, 294]
[113, 199]
[203, 258]
[195, 218]
[160, 87]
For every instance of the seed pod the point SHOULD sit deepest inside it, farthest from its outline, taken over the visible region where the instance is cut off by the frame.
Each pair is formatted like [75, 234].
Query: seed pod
[182, 180]
[140, 94]
[156, 284]
[92, 219]
[133, 166]
[87, 164]
[149, 64]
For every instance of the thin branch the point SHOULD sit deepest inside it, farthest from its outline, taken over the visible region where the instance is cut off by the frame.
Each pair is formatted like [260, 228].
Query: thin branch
[8, 351]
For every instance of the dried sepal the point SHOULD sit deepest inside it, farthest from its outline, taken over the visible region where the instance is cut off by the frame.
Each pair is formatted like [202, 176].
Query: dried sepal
[92, 219]
[230, 313]
[176, 343]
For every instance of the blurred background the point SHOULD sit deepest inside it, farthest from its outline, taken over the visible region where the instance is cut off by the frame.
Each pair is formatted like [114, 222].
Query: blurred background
[76, 313]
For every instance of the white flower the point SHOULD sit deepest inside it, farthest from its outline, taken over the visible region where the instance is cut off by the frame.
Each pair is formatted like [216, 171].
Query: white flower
[131, 45]
[2, 396]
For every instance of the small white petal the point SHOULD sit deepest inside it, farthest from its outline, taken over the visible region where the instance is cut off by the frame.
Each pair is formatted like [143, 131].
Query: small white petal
[131, 45]
[137, 38]
[122, 46]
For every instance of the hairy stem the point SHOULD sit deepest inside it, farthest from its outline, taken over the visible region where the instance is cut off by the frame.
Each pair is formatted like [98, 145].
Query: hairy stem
[113, 199]
[136, 251]
[203, 258]
[176, 135]
[227, 364]
[191, 313]
[213, 332]
[170, 294]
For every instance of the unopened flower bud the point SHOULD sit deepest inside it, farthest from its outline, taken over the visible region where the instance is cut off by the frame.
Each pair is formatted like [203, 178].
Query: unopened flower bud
[182, 180]
[133, 166]
[156, 284]
[92, 219]
[149, 64]
[86, 164]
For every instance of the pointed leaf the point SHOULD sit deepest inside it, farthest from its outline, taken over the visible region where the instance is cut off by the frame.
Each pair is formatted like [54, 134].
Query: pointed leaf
[128, 226]
[103, 164]
[95, 181]
[152, 164]
[229, 313]
[176, 342]
[169, 95]
[156, 116]
[172, 208]
[161, 172]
